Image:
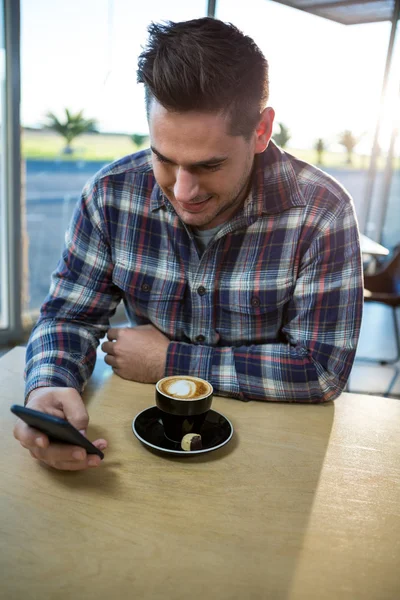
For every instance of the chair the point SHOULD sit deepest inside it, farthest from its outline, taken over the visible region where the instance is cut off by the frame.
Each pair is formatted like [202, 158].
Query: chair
[384, 287]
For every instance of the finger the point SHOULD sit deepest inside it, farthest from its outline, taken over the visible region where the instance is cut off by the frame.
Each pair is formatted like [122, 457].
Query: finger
[110, 360]
[108, 347]
[66, 457]
[90, 462]
[112, 333]
[58, 453]
[75, 411]
[30, 437]
[101, 444]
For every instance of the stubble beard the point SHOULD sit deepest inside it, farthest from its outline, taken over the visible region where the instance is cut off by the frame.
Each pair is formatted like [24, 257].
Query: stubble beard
[238, 198]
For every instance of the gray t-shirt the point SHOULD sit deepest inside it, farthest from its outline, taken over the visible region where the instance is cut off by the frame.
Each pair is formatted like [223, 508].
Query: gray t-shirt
[204, 236]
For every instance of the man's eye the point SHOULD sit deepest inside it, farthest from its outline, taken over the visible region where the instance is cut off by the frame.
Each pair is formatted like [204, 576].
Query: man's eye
[162, 160]
[212, 167]
[165, 161]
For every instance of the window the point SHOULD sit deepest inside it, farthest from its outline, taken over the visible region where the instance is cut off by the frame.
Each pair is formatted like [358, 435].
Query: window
[10, 302]
[79, 56]
[3, 231]
[321, 87]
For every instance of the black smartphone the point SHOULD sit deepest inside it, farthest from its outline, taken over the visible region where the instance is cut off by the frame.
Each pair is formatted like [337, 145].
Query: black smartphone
[57, 430]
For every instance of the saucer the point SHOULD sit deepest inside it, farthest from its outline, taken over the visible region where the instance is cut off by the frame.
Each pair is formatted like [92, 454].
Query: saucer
[148, 428]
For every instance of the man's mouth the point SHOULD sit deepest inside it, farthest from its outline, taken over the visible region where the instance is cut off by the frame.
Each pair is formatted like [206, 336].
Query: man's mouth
[194, 206]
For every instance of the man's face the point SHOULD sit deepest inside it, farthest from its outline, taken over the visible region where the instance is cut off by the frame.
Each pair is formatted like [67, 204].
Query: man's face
[203, 171]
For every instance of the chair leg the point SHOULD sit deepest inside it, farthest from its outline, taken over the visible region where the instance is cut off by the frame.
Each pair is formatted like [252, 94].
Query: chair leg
[396, 332]
[391, 384]
[397, 372]
[397, 337]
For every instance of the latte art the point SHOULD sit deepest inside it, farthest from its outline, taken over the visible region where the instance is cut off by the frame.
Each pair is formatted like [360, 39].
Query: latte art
[184, 388]
[181, 388]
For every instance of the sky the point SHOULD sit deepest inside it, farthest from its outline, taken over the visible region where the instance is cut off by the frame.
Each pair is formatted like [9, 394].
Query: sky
[324, 77]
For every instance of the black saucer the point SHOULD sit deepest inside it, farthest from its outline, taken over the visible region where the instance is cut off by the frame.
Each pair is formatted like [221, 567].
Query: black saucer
[148, 428]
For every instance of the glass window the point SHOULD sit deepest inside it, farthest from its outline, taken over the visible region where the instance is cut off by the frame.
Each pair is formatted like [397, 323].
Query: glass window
[391, 229]
[384, 211]
[325, 80]
[4, 321]
[79, 56]
[10, 230]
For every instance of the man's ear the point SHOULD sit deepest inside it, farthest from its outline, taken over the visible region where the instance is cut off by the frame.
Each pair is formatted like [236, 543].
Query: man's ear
[264, 129]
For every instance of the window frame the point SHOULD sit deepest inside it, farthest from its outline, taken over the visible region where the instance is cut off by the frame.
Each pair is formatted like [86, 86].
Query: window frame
[11, 176]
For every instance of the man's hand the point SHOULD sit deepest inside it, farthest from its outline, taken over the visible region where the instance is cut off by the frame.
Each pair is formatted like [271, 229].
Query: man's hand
[137, 353]
[64, 403]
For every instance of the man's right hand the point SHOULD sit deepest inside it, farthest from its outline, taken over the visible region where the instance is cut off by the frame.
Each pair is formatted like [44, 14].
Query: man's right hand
[65, 403]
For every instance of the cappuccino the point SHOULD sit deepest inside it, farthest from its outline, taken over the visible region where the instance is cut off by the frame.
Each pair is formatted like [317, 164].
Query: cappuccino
[184, 388]
[184, 402]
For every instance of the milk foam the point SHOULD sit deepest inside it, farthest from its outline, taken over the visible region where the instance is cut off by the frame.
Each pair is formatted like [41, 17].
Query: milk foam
[182, 388]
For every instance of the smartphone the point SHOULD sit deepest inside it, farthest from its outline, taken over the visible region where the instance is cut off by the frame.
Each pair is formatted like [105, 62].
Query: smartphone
[57, 430]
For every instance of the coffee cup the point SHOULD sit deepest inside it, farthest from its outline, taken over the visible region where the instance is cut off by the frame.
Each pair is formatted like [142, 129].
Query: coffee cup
[184, 402]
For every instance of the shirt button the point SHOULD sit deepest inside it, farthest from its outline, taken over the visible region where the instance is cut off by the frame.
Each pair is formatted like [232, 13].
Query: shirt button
[145, 287]
[255, 301]
[201, 290]
[200, 338]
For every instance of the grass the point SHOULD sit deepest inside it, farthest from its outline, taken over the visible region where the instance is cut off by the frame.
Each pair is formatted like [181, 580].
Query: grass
[49, 145]
[108, 147]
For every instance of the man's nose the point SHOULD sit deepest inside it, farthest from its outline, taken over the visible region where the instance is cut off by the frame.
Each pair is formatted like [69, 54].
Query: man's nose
[186, 186]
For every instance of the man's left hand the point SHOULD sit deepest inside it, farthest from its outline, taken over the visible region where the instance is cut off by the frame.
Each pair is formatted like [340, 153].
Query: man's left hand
[137, 353]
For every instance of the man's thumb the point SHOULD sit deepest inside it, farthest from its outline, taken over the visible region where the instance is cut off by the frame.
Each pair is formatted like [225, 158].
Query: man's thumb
[75, 411]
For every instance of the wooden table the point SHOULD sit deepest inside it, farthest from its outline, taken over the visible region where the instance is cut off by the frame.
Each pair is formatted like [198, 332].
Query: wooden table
[304, 503]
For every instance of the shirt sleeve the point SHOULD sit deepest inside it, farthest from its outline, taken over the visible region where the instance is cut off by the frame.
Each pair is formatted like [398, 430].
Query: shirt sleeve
[75, 315]
[321, 330]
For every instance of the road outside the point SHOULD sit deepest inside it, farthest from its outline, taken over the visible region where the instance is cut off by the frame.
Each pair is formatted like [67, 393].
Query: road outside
[53, 189]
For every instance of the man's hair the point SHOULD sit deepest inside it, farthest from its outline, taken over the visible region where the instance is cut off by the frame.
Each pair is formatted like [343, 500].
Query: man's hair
[205, 65]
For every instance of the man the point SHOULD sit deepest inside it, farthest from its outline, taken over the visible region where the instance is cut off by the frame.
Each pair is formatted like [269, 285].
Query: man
[236, 262]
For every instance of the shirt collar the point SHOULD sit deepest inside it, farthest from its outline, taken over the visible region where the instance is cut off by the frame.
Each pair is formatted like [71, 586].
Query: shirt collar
[157, 198]
[275, 187]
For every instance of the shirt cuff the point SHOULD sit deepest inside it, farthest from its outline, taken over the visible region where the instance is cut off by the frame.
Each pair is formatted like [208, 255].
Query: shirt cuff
[50, 376]
[189, 359]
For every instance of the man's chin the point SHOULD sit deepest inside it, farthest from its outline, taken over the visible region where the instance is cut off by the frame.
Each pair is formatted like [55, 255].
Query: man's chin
[195, 220]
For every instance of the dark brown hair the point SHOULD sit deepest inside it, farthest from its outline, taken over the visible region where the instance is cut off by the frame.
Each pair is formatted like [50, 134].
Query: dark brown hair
[205, 65]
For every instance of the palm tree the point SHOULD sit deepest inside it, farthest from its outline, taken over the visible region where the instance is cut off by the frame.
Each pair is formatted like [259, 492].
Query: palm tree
[139, 140]
[320, 149]
[349, 141]
[71, 127]
[283, 136]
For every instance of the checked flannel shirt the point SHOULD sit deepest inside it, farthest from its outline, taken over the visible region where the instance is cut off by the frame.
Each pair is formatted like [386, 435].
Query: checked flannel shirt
[270, 311]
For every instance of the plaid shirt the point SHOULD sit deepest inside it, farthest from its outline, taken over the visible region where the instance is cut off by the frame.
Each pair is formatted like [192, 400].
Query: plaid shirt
[270, 311]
